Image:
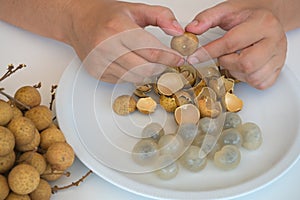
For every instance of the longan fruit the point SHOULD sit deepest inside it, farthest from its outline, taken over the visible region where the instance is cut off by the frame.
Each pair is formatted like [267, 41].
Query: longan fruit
[51, 174]
[4, 187]
[6, 112]
[16, 112]
[60, 155]
[23, 130]
[33, 145]
[42, 192]
[34, 159]
[124, 105]
[41, 116]
[23, 179]
[14, 196]
[50, 136]
[7, 141]
[29, 96]
[185, 44]
[7, 162]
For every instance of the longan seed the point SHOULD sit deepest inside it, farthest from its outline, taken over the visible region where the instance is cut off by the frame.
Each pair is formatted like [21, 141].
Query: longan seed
[6, 112]
[14, 196]
[4, 191]
[185, 44]
[34, 159]
[33, 145]
[7, 162]
[52, 174]
[29, 96]
[50, 136]
[60, 155]
[7, 141]
[23, 130]
[41, 116]
[23, 179]
[125, 104]
[42, 192]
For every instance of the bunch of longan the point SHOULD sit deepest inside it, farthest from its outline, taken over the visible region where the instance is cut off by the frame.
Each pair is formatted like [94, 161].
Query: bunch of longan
[33, 150]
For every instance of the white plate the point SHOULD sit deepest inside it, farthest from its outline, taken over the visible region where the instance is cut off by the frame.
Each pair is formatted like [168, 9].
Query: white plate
[91, 127]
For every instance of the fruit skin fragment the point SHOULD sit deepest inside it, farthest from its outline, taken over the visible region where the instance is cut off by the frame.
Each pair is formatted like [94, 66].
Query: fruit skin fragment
[124, 105]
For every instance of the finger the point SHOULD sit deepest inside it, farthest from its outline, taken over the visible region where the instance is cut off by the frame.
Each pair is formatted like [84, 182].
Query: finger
[269, 81]
[150, 48]
[235, 39]
[158, 16]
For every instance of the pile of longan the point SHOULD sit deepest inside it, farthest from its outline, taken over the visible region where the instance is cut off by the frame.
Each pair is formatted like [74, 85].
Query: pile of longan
[33, 150]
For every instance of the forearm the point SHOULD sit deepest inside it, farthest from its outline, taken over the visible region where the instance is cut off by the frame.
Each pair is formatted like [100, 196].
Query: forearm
[51, 19]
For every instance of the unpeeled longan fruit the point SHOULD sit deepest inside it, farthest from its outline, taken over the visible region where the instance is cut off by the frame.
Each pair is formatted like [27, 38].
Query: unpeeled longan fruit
[33, 145]
[51, 174]
[34, 159]
[7, 162]
[29, 96]
[7, 141]
[14, 196]
[42, 192]
[23, 179]
[23, 130]
[4, 191]
[6, 112]
[41, 116]
[60, 155]
[50, 136]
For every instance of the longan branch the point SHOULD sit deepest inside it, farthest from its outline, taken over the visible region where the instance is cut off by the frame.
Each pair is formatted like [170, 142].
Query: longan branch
[10, 70]
[56, 188]
[53, 92]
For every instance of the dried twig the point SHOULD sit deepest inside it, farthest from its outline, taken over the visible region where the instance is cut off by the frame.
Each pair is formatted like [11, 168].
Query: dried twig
[56, 188]
[10, 70]
[53, 91]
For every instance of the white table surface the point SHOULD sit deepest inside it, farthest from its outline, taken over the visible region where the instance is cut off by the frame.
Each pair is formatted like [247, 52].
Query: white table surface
[46, 60]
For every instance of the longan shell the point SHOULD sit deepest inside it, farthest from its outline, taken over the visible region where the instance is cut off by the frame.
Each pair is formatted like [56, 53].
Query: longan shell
[33, 145]
[29, 96]
[124, 105]
[16, 112]
[60, 155]
[23, 179]
[42, 192]
[23, 130]
[41, 116]
[4, 187]
[7, 162]
[34, 159]
[51, 174]
[7, 141]
[185, 44]
[50, 136]
[14, 196]
[6, 112]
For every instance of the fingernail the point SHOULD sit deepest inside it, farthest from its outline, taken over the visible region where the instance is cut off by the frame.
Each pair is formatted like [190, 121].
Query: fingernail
[193, 60]
[178, 27]
[194, 23]
[181, 62]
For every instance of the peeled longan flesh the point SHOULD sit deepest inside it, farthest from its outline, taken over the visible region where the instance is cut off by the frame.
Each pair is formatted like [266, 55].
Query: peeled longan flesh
[23, 179]
[34, 159]
[6, 112]
[23, 130]
[185, 44]
[60, 156]
[41, 116]
[29, 96]
[7, 141]
[7, 162]
[14, 196]
[42, 192]
[4, 187]
[50, 136]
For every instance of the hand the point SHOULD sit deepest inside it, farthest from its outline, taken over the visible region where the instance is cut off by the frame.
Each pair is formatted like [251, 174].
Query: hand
[254, 47]
[113, 44]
